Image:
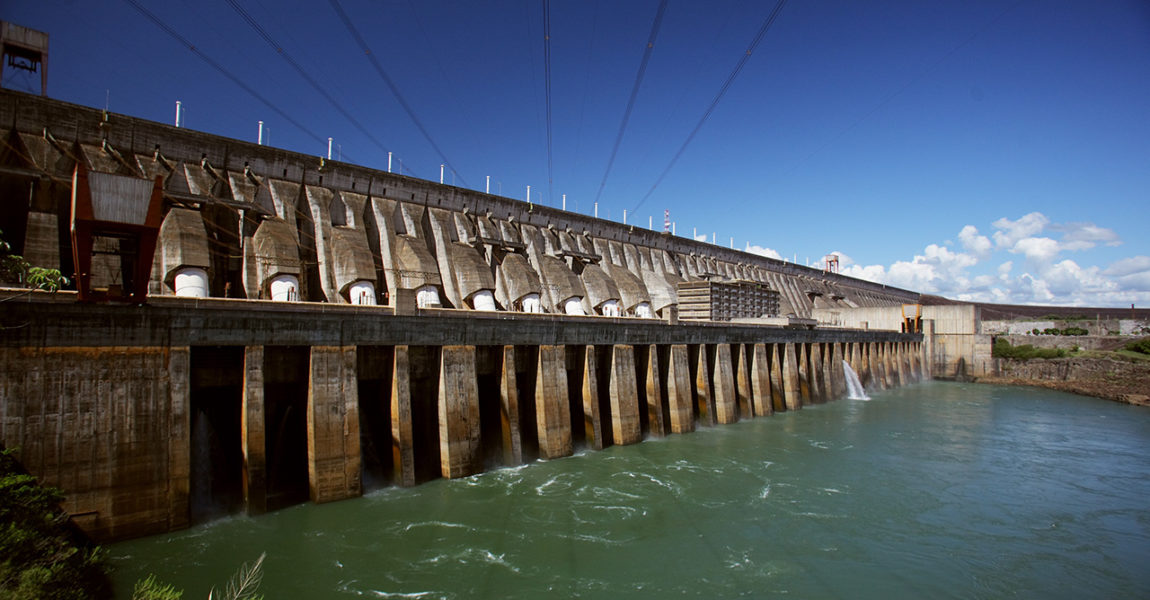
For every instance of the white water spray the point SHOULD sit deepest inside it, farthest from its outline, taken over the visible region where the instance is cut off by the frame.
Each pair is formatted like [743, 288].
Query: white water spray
[855, 389]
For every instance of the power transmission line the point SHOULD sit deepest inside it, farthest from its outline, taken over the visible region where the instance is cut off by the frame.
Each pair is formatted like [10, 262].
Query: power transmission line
[351, 28]
[547, 88]
[218, 67]
[770, 20]
[634, 92]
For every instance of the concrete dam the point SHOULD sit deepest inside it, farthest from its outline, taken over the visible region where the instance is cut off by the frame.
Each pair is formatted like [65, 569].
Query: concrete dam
[253, 328]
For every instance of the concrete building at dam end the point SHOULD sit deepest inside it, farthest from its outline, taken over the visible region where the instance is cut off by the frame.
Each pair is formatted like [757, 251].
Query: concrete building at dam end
[248, 328]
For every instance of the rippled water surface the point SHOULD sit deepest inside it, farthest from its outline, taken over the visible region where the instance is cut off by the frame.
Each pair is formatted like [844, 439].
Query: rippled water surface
[932, 491]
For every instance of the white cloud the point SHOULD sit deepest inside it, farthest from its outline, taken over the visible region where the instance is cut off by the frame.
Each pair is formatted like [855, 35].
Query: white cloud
[1128, 266]
[979, 245]
[970, 275]
[1009, 232]
[1037, 249]
[760, 250]
[1083, 236]
[702, 237]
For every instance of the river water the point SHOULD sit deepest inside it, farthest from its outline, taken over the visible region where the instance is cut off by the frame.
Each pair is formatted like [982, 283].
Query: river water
[938, 490]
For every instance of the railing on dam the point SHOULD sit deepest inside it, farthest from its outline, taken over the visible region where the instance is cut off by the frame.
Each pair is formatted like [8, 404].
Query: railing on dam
[153, 417]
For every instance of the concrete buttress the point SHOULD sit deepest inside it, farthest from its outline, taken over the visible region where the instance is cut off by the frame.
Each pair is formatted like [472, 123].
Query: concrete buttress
[625, 427]
[509, 410]
[778, 393]
[743, 382]
[252, 432]
[552, 410]
[592, 423]
[656, 419]
[792, 383]
[726, 406]
[333, 452]
[402, 436]
[760, 379]
[459, 426]
[679, 390]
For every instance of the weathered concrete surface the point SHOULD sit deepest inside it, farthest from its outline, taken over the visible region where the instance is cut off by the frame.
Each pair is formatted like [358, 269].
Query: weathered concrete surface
[108, 426]
[655, 398]
[509, 410]
[624, 397]
[552, 412]
[402, 434]
[333, 424]
[679, 390]
[722, 377]
[459, 427]
[592, 420]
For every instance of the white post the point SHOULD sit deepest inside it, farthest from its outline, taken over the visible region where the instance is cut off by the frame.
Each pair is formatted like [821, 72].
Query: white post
[596, 210]
[441, 173]
[673, 228]
[713, 242]
[488, 190]
[178, 104]
[695, 233]
[564, 201]
[260, 140]
[732, 241]
[329, 148]
[529, 194]
[650, 222]
[389, 162]
[624, 216]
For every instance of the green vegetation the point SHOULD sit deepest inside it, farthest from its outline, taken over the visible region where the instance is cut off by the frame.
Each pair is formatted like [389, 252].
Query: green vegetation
[41, 557]
[1003, 349]
[1141, 346]
[1066, 318]
[1056, 331]
[14, 269]
[242, 586]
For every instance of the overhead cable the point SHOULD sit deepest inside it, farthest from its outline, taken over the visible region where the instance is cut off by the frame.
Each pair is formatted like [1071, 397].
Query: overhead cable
[351, 28]
[634, 92]
[547, 88]
[770, 20]
[218, 67]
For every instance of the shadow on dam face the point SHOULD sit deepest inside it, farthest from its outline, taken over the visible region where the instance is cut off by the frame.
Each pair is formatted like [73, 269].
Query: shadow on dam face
[216, 397]
[285, 409]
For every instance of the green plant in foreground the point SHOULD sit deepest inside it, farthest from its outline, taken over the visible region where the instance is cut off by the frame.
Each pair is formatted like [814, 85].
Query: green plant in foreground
[15, 269]
[41, 558]
[242, 586]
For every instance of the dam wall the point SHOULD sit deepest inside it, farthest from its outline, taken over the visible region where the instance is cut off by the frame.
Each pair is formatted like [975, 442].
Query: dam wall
[154, 417]
[242, 220]
[953, 340]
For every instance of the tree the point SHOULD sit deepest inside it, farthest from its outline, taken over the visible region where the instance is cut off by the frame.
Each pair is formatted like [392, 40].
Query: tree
[14, 269]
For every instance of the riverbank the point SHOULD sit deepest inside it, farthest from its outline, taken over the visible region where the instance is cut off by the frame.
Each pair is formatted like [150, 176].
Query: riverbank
[1110, 377]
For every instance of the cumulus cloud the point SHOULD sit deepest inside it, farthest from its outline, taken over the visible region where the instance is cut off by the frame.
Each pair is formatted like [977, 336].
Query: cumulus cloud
[1036, 249]
[1045, 278]
[702, 237]
[760, 250]
[1009, 232]
[1083, 236]
[978, 245]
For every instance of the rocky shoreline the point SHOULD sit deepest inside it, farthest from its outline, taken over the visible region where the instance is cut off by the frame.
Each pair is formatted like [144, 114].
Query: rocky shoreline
[1126, 381]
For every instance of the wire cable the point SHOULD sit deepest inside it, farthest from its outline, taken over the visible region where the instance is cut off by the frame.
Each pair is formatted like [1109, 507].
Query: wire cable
[351, 28]
[218, 67]
[770, 20]
[634, 93]
[547, 91]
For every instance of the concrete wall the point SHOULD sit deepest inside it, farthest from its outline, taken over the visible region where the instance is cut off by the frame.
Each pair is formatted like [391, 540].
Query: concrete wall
[955, 345]
[97, 398]
[268, 212]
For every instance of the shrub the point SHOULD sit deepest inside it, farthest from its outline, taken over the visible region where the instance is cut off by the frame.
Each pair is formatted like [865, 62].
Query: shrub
[1141, 346]
[1003, 349]
[41, 557]
[1075, 331]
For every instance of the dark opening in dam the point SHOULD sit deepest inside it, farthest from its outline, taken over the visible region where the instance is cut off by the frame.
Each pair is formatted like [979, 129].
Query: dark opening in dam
[216, 399]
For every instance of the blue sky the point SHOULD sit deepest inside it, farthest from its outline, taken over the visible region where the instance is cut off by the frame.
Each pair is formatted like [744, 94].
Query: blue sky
[995, 151]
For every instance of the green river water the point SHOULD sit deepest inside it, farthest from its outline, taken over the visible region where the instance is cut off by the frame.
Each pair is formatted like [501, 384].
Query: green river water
[938, 490]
